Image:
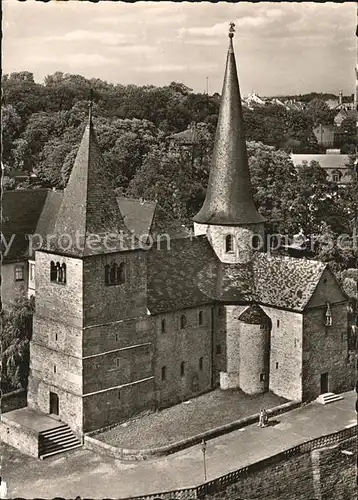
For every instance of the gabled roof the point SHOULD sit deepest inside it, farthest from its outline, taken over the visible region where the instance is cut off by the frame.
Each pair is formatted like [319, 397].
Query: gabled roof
[326, 161]
[189, 274]
[286, 282]
[21, 210]
[46, 223]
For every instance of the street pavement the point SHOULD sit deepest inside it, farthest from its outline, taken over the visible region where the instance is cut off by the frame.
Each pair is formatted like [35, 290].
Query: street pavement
[86, 474]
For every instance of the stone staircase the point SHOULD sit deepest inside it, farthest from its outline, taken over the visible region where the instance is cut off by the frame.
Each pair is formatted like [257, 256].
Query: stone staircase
[57, 440]
[328, 397]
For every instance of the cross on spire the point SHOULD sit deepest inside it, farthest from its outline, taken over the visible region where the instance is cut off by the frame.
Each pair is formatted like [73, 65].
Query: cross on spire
[231, 30]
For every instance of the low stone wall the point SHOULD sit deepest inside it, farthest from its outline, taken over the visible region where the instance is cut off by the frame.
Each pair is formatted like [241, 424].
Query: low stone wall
[19, 437]
[142, 454]
[13, 400]
[289, 474]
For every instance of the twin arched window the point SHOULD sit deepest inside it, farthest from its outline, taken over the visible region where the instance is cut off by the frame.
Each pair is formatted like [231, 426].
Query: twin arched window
[58, 272]
[114, 274]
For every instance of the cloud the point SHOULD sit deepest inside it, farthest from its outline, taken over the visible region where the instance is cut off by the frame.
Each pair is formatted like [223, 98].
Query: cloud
[74, 60]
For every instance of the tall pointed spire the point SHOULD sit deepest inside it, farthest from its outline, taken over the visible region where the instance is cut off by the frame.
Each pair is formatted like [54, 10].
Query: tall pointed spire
[229, 198]
[89, 221]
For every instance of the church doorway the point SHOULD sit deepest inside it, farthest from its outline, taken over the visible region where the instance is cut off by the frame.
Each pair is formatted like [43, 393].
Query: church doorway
[324, 383]
[54, 404]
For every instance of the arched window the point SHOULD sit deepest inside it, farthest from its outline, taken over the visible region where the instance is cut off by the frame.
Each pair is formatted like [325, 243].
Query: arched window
[164, 372]
[200, 363]
[200, 318]
[112, 274]
[58, 272]
[256, 242]
[328, 315]
[53, 271]
[63, 273]
[106, 274]
[182, 321]
[182, 369]
[121, 273]
[163, 326]
[229, 243]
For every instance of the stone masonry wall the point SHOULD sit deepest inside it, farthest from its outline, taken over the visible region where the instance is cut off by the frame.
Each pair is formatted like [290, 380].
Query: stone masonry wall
[219, 354]
[56, 368]
[286, 353]
[60, 303]
[103, 304]
[117, 368]
[70, 405]
[326, 351]
[117, 342]
[186, 345]
[242, 241]
[117, 405]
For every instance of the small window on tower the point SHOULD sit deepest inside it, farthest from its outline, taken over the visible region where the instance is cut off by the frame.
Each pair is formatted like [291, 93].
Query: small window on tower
[182, 321]
[276, 365]
[54, 369]
[201, 315]
[118, 362]
[218, 349]
[164, 372]
[262, 377]
[229, 243]
[163, 326]
[182, 368]
[200, 364]
[278, 323]
[328, 315]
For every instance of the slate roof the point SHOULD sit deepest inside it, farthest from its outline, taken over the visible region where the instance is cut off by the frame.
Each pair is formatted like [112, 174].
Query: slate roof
[148, 218]
[172, 274]
[21, 210]
[254, 315]
[229, 196]
[89, 207]
[286, 282]
[47, 219]
[190, 274]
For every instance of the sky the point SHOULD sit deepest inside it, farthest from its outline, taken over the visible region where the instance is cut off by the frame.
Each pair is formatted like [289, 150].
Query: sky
[281, 48]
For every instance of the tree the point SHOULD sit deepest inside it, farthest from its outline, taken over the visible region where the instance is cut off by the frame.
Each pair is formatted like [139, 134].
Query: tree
[15, 338]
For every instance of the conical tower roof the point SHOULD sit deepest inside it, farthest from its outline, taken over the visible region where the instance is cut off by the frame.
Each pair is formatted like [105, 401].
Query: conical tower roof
[89, 221]
[229, 198]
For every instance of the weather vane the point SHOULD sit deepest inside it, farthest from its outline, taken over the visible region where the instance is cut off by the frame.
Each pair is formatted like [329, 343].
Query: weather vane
[231, 30]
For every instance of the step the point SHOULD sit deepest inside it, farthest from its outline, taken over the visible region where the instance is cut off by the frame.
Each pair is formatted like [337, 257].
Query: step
[328, 397]
[58, 435]
[50, 432]
[51, 444]
[56, 452]
[55, 429]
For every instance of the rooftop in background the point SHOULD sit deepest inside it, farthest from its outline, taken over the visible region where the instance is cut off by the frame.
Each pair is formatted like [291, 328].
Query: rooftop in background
[335, 165]
[327, 161]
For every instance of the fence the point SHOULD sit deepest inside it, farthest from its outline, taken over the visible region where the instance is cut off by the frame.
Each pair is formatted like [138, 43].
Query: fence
[222, 482]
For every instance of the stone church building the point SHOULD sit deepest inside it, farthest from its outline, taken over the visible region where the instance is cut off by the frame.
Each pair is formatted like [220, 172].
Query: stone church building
[122, 327]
